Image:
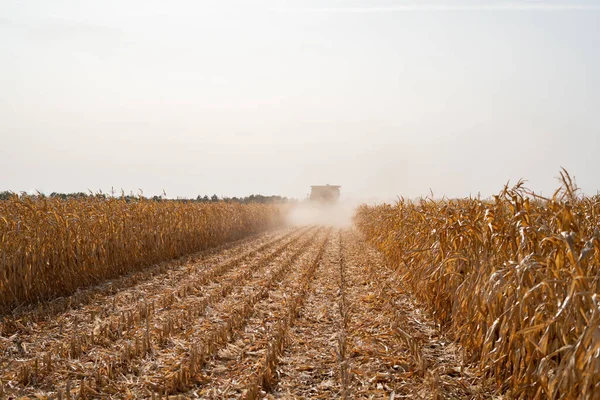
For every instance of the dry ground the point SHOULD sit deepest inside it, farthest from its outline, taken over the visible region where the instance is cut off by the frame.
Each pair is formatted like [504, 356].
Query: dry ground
[301, 313]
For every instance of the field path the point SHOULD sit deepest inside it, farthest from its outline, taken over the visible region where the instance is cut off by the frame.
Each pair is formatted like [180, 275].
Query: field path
[362, 336]
[299, 313]
[310, 365]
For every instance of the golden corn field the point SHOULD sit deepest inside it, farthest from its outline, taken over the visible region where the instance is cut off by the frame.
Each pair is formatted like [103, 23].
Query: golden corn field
[515, 280]
[292, 312]
[51, 247]
[432, 299]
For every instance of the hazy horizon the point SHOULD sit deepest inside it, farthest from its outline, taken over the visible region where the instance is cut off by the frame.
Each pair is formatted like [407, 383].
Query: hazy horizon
[385, 98]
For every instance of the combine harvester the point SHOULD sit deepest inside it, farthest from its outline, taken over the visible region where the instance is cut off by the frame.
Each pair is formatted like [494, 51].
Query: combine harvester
[327, 194]
[322, 207]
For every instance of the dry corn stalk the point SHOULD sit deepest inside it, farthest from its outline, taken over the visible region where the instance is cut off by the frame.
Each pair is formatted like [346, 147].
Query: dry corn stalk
[515, 279]
[50, 247]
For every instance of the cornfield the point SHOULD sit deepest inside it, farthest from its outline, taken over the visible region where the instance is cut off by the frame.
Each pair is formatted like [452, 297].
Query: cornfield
[292, 312]
[467, 298]
[51, 247]
[514, 279]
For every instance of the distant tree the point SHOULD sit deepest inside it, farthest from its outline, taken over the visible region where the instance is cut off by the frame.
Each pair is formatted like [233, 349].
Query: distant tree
[253, 198]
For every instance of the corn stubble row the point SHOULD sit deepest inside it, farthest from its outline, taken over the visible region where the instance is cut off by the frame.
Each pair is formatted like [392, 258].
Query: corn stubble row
[222, 333]
[266, 376]
[50, 247]
[129, 340]
[515, 280]
[133, 334]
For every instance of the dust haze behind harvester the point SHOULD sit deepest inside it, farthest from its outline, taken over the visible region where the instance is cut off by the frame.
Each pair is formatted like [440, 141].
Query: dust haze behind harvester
[323, 207]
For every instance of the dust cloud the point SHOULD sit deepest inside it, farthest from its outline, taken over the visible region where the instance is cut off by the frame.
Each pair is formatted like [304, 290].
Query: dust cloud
[338, 215]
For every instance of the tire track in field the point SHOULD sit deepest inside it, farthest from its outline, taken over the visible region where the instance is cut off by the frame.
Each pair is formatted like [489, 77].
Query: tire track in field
[344, 321]
[310, 366]
[249, 363]
[114, 330]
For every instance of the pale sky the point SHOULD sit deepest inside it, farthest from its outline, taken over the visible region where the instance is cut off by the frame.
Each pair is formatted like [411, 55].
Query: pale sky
[384, 98]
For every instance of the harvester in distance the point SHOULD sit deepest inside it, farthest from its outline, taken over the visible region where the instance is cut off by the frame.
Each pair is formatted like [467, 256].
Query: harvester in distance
[325, 194]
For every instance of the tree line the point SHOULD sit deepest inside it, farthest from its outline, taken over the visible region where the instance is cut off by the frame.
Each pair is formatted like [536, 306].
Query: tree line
[253, 198]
